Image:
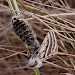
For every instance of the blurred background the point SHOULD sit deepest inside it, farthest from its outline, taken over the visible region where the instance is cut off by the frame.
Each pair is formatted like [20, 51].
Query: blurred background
[57, 14]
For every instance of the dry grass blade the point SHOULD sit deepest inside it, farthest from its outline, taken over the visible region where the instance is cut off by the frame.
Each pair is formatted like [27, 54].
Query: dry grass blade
[51, 46]
[57, 17]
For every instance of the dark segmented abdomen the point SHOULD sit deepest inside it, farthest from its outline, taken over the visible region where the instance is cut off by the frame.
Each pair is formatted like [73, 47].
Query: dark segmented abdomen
[25, 33]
